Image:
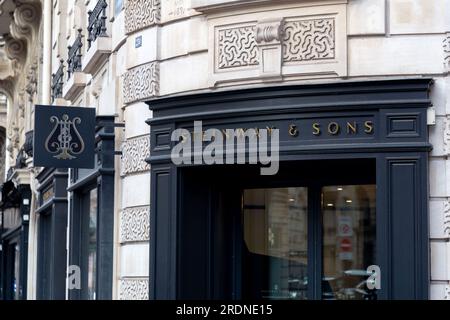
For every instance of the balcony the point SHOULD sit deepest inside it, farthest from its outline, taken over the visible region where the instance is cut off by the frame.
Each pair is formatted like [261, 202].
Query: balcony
[58, 82]
[99, 43]
[76, 79]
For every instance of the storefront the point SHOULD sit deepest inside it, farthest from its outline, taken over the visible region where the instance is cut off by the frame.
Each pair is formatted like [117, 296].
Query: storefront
[52, 225]
[351, 193]
[91, 221]
[15, 213]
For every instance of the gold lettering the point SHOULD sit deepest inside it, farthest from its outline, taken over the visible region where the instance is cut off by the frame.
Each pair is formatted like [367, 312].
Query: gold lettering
[369, 127]
[269, 130]
[316, 127]
[184, 138]
[293, 131]
[333, 128]
[226, 134]
[352, 127]
[257, 132]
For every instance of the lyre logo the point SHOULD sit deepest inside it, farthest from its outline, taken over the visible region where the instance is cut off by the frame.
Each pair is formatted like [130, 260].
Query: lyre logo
[64, 140]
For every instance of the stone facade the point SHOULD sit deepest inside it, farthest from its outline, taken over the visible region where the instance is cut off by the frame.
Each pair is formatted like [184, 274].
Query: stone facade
[165, 47]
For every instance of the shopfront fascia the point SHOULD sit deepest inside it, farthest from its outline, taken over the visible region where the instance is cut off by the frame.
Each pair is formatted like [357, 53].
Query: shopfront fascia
[354, 133]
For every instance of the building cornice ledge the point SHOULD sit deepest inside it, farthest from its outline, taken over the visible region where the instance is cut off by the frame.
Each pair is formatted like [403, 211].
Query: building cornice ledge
[206, 6]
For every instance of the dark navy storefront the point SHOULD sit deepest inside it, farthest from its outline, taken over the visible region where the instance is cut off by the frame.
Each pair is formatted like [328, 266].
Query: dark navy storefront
[372, 134]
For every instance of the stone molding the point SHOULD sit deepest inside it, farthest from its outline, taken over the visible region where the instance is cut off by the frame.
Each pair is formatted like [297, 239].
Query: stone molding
[297, 43]
[134, 289]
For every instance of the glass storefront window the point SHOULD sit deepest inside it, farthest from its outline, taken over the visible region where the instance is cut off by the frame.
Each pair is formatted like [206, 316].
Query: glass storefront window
[16, 283]
[349, 227]
[92, 245]
[275, 235]
[118, 6]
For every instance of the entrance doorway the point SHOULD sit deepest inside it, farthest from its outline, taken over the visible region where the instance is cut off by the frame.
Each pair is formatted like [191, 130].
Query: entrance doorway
[307, 233]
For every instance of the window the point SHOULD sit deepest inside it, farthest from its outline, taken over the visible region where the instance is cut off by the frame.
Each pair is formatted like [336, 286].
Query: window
[89, 244]
[276, 237]
[118, 6]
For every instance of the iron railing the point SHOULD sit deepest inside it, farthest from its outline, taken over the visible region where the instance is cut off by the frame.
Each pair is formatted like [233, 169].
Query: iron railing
[74, 56]
[97, 22]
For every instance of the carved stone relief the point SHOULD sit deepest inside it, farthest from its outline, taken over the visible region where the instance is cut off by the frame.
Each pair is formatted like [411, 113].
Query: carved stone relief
[271, 46]
[447, 135]
[134, 289]
[237, 47]
[140, 14]
[135, 224]
[134, 153]
[446, 46]
[446, 225]
[447, 292]
[309, 39]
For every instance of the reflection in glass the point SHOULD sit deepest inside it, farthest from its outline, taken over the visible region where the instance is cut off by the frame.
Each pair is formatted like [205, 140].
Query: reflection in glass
[92, 245]
[16, 284]
[275, 236]
[348, 241]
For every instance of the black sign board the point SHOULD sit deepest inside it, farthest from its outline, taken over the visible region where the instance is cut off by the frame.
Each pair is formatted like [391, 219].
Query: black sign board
[64, 137]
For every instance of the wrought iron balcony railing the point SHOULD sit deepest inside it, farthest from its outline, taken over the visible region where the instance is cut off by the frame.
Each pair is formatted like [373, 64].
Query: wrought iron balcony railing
[97, 22]
[74, 56]
[58, 82]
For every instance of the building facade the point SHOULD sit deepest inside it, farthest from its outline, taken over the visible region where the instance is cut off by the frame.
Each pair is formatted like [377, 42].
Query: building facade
[358, 89]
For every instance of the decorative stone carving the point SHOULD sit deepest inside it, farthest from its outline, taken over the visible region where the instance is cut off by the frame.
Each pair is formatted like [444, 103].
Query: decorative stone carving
[447, 218]
[135, 224]
[304, 42]
[446, 45]
[141, 82]
[21, 103]
[15, 49]
[140, 14]
[268, 36]
[134, 289]
[134, 153]
[2, 2]
[269, 31]
[447, 292]
[32, 84]
[26, 20]
[237, 47]
[309, 39]
[447, 135]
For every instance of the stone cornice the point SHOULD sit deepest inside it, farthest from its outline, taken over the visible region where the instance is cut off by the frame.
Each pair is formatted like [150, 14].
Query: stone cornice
[206, 6]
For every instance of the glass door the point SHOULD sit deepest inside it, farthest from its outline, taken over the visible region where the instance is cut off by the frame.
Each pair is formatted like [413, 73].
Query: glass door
[275, 229]
[308, 242]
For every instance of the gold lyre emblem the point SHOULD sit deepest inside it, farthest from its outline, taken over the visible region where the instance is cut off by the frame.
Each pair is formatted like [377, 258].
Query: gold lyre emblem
[64, 140]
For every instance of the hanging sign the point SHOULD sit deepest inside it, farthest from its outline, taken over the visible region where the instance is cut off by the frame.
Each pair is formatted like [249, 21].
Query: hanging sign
[64, 137]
